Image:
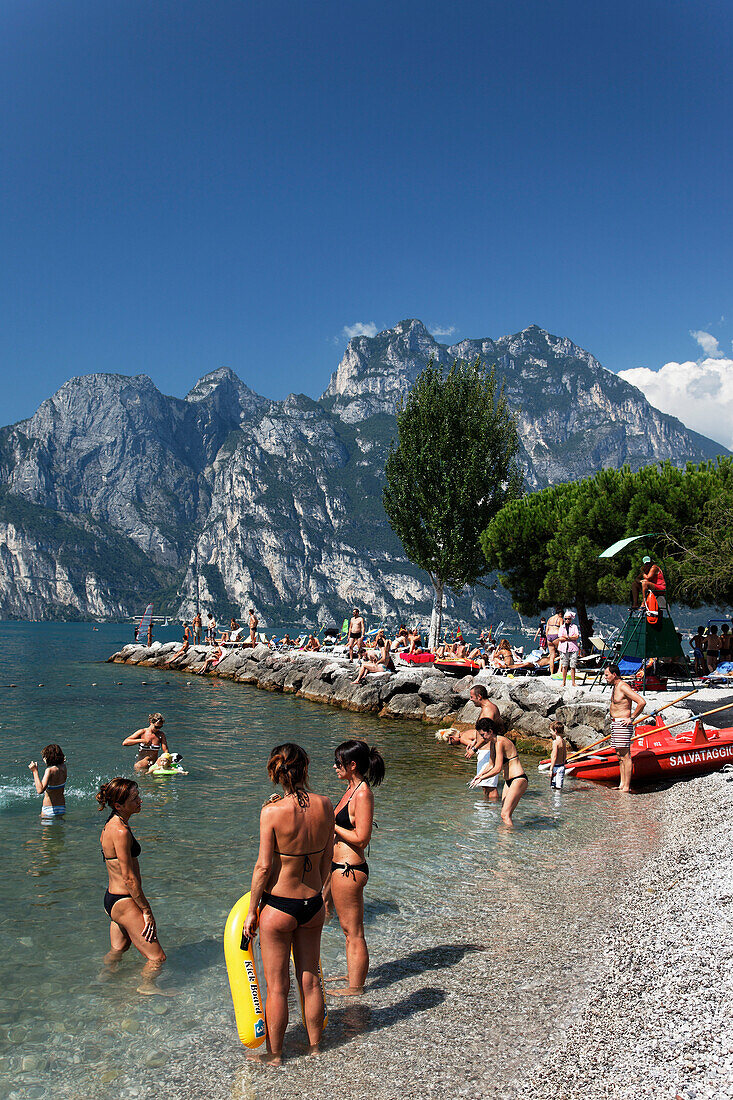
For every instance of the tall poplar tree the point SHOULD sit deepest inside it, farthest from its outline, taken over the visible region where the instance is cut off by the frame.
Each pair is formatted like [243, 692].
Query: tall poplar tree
[451, 469]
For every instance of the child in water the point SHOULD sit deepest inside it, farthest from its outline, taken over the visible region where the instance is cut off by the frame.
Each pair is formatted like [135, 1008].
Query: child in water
[167, 762]
[558, 756]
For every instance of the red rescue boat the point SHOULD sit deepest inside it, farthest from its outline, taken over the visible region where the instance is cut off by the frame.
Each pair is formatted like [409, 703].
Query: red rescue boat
[660, 755]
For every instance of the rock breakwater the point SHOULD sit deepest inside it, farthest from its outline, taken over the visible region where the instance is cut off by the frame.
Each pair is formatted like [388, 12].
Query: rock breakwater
[425, 694]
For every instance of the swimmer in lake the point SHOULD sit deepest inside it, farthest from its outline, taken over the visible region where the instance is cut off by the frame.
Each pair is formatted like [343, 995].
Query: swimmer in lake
[53, 782]
[361, 768]
[150, 741]
[506, 761]
[286, 900]
[131, 919]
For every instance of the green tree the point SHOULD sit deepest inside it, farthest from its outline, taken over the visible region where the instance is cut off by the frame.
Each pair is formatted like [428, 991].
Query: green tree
[451, 470]
[546, 544]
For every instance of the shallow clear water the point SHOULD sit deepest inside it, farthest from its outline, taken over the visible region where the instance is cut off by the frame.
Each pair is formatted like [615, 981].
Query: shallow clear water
[438, 858]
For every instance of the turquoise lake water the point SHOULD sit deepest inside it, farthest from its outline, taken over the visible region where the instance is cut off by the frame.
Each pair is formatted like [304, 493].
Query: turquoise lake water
[69, 1029]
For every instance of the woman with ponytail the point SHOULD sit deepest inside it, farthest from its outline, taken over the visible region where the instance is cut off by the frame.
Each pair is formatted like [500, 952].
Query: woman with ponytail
[361, 768]
[131, 919]
[286, 901]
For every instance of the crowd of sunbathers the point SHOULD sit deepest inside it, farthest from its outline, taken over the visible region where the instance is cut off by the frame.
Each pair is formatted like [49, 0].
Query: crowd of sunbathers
[557, 642]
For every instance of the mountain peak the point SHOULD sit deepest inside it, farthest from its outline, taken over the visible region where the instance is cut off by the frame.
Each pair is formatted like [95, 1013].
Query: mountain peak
[211, 381]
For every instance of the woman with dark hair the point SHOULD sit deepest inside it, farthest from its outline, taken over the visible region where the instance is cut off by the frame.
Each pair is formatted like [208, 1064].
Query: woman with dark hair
[361, 768]
[53, 782]
[286, 901]
[502, 758]
[131, 919]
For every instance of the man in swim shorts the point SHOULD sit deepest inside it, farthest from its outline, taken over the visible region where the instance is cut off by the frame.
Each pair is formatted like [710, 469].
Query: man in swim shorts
[356, 632]
[254, 622]
[622, 722]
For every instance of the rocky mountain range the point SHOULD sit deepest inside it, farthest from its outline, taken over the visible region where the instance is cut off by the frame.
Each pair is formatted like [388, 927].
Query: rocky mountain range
[114, 493]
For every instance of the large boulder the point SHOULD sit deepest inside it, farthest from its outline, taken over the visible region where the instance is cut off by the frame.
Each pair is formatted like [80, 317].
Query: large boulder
[436, 712]
[437, 689]
[531, 695]
[231, 663]
[249, 673]
[403, 705]
[293, 679]
[533, 723]
[259, 652]
[362, 697]
[582, 714]
[272, 679]
[403, 683]
[581, 736]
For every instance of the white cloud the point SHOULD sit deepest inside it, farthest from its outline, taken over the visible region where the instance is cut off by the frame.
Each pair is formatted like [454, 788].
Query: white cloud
[707, 342]
[700, 394]
[438, 331]
[361, 328]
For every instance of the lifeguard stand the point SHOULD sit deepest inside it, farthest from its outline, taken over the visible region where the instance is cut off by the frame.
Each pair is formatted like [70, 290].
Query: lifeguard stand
[639, 640]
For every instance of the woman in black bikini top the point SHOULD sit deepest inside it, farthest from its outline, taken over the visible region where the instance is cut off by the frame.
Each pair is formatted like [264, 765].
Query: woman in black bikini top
[362, 768]
[296, 846]
[506, 760]
[131, 919]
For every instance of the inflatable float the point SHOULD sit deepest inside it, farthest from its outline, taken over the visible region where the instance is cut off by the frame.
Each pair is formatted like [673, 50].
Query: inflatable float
[249, 1009]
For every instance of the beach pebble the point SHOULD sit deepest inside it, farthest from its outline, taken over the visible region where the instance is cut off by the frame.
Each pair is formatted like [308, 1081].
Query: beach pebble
[32, 1063]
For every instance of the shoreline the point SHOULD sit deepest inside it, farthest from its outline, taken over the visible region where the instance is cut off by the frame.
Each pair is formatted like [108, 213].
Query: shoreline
[418, 693]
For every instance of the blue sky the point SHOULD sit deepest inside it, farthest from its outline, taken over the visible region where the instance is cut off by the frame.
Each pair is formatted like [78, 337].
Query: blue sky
[189, 184]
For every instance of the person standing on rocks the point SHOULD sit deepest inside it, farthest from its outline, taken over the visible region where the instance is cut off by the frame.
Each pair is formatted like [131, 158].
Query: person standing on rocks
[254, 622]
[356, 632]
[196, 624]
[210, 629]
[568, 643]
[553, 629]
[623, 697]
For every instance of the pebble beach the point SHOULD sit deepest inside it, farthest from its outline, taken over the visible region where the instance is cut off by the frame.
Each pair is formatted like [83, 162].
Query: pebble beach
[660, 1021]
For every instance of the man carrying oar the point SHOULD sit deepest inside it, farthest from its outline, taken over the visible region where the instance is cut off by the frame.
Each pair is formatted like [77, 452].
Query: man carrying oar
[622, 721]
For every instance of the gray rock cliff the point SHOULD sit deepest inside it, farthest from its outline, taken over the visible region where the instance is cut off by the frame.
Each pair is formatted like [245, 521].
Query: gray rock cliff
[114, 493]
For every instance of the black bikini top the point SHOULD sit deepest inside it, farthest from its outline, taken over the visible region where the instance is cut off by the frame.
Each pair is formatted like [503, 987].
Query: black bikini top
[135, 848]
[342, 818]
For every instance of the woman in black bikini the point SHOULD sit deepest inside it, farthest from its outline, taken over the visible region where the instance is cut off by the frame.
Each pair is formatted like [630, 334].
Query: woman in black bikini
[131, 919]
[296, 847]
[361, 768]
[505, 759]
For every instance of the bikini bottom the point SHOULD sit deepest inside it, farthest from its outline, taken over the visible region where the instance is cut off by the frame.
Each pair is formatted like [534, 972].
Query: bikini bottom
[110, 899]
[351, 868]
[303, 909]
[52, 811]
[508, 782]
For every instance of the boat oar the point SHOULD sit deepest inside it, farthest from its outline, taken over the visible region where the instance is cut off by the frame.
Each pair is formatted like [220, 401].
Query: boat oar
[660, 729]
[543, 765]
